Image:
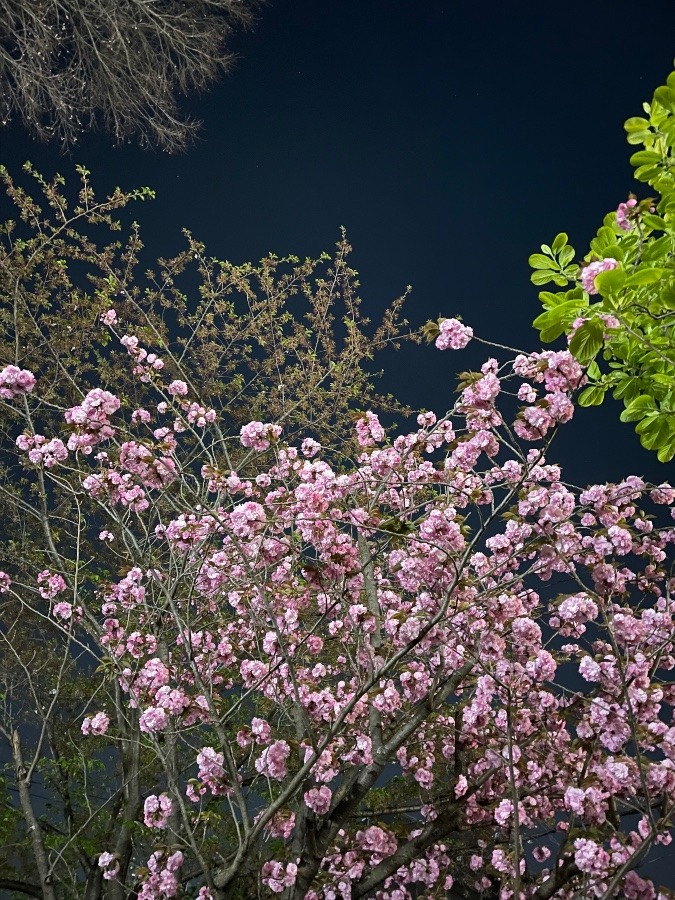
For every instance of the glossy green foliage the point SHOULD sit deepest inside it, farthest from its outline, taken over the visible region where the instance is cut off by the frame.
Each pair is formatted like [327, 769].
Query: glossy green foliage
[624, 329]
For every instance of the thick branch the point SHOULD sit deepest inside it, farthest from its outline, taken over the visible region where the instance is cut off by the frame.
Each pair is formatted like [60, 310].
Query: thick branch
[32, 824]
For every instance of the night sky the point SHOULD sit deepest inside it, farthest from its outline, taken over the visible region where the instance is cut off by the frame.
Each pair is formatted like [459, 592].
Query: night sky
[451, 139]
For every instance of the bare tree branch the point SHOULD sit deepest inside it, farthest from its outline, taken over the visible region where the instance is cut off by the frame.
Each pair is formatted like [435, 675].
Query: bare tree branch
[67, 66]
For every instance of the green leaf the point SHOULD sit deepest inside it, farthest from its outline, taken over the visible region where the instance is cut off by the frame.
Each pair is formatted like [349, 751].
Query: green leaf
[665, 379]
[665, 98]
[646, 173]
[539, 261]
[610, 282]
[668, 295]
[652, 221]
[635, 123]
[555, 321]
[644, 276]
[645, 157]
[626, 390]
[667, 452]
[559, 242]
[638, 408]
[593, 371]
[638, 137]
[549, 299]
[566, 255]
[592, 396]
[655, 432]
[587, 340]
[542, 276]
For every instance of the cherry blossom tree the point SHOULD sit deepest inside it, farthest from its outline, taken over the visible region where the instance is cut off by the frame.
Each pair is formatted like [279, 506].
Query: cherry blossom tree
[352, 680]
[257, 641]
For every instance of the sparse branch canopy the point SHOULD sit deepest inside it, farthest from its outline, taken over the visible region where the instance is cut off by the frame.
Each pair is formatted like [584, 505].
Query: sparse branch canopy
[67, 66]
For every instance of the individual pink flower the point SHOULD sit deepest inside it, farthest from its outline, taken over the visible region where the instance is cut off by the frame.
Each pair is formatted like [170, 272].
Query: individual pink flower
[153, 719]
[261, 730]
[377, 841]
[5, 582]
[310, 447]
[592, 270]
[62, 610]
[504, 812]
[318, 799]
[454, 335]
[177, 389]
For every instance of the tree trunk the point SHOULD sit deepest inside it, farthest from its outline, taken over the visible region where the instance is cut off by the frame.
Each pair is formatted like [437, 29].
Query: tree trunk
[32, 824]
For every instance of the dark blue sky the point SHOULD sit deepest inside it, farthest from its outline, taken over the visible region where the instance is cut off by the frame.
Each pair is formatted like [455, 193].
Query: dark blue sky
[451, 139]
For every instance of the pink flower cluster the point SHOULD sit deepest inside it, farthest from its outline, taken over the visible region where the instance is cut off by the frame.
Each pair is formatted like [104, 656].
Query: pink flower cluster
[117, 488]
[153, 472]
[162, 883]
[560, 374]
[210, 775]
[97, 724]
[454, 335]
[272, 761]
[277, 876]
[15, 382]
[623, 213]
[110, 865]
[50, 584]
[370, 607]
[199, 415]
[369, 431]
[41, 451]
[5, 582]
[147, 364]
[259, 435]
[318, 799]
[590, 272]
[156, 810]
[90, 420]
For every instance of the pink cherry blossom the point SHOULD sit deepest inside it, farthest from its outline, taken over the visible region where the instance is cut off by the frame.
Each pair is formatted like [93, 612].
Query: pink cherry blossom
[15, 382]
[593, 269]
[156, 810]
[454, 335]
